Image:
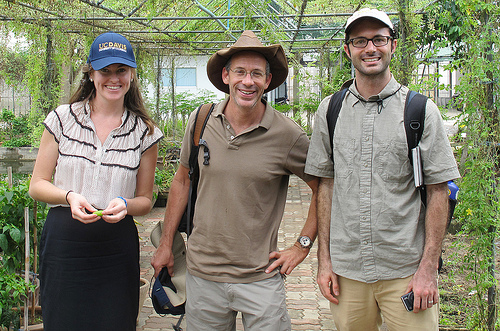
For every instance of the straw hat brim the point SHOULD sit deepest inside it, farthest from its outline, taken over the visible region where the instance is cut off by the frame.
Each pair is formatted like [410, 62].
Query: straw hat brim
[178, 297]
[274, 54]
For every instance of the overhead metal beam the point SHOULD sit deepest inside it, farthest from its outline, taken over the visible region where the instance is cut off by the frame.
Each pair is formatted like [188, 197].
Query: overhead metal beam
[230, 41]
[190, 18]
[136, 8]
[206, 10]
[280, 20]
[110, 10]
[211, 50]
[218, 31]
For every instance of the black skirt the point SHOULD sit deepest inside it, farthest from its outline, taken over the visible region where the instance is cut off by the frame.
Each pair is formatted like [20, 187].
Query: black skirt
[89, 274]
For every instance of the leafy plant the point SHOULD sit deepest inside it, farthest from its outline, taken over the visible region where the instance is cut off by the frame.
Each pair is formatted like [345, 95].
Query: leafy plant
[12, 292]
[337, 75]
[173, 117]
[164, 176]
[283, 107]
[13, 66]
[169, 152]
[12, 203]
[446, 22]
[15, 131]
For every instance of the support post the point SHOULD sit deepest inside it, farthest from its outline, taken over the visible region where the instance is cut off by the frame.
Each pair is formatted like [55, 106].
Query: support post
[26, 262]
[9, 177]
[403, 8]
[492, 304]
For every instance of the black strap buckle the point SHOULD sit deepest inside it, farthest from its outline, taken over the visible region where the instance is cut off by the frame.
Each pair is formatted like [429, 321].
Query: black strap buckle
[206, 152]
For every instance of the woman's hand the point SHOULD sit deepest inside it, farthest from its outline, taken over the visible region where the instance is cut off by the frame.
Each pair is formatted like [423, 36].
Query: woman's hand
[79, 207]
[115, 211]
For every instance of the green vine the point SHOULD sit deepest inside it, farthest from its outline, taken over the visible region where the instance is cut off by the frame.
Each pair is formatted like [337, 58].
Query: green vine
[404, 63]
[470, 28]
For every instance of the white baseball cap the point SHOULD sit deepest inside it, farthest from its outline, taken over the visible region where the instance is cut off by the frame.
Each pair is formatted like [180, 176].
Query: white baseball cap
[369, 13]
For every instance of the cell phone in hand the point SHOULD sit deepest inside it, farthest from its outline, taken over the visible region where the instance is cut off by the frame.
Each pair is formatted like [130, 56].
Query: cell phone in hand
[408, 301]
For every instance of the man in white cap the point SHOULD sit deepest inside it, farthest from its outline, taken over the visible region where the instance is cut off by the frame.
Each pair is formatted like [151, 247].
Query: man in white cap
[232, 257]
[376, 240]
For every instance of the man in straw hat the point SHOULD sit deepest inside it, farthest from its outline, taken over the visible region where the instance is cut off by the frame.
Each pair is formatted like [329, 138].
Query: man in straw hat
[232, 258]
[376, 241]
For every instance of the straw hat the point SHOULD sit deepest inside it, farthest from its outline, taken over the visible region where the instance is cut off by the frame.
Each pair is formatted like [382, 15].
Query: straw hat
[168, 294]
[248, 41]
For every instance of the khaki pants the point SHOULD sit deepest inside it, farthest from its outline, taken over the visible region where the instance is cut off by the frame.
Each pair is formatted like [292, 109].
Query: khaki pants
[362, 305]
[213, 306]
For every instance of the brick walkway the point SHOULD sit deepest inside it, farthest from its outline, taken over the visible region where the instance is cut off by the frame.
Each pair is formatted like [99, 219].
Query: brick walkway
[306, 306]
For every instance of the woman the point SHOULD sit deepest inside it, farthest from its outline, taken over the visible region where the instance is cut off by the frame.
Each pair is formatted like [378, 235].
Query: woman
[97, 153]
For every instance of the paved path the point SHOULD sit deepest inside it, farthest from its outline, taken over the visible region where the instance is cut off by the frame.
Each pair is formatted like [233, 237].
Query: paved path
[306, 306]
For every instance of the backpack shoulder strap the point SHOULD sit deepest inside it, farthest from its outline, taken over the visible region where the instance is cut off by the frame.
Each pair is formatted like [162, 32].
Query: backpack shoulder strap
[201, 121]
[333, 111]
[414, 115]
[334, 107]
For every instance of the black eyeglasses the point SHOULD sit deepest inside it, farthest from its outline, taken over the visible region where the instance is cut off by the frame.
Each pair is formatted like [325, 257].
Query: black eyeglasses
[362, 42]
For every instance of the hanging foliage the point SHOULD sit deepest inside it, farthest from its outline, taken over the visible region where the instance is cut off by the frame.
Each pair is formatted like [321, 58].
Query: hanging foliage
[470, 28]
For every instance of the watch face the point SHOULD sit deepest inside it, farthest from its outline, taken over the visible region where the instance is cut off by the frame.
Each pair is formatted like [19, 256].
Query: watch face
[304, 241]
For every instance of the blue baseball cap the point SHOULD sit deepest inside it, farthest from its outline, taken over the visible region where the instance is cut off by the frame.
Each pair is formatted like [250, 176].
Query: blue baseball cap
[109, 48]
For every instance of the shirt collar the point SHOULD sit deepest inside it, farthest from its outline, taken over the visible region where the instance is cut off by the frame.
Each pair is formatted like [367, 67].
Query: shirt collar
[266, 119]
[390, 89]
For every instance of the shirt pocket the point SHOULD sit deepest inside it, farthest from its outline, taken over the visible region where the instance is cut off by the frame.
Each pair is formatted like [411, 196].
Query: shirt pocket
[392, 162]
[343, 157]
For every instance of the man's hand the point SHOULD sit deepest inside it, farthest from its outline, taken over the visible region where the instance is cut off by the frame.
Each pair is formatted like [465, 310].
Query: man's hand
[287, 259]
[425, 290]
[176, 204]
[163, 257]
[328, 283]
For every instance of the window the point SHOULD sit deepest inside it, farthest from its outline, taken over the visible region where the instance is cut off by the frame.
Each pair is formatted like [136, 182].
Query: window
[185, 76]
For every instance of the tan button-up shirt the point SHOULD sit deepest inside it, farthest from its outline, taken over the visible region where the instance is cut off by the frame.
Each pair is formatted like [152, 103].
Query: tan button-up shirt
[377, 219]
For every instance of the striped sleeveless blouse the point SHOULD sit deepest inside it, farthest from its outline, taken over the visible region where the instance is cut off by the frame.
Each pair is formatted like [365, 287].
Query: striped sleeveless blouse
[100, 172]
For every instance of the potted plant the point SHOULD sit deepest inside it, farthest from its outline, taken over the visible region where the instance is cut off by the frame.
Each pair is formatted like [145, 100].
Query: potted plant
[164, 174]
[143, 294]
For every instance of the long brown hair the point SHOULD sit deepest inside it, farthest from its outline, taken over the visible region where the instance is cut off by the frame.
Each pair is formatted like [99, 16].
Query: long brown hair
[133, 98]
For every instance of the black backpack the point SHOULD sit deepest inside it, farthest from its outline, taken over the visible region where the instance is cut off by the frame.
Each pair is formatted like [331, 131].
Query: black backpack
[414, 116]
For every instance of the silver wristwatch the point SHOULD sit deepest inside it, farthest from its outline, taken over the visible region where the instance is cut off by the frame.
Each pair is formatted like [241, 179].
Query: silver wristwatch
[305, 241]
